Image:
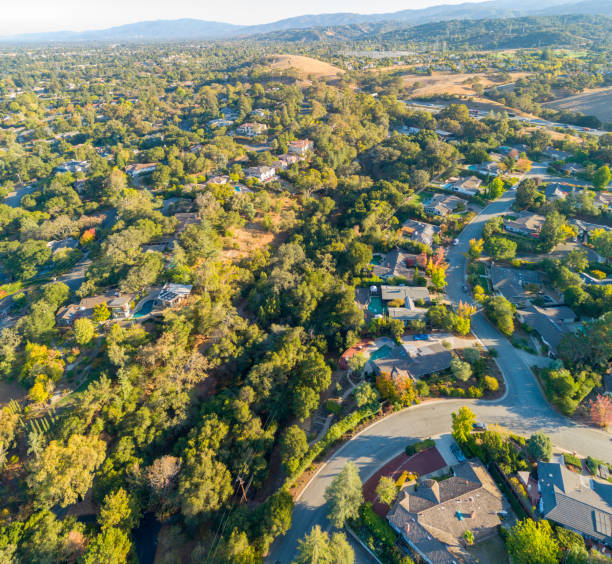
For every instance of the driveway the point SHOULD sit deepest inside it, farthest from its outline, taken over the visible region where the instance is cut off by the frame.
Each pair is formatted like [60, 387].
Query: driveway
[523, 409]
[14, 198]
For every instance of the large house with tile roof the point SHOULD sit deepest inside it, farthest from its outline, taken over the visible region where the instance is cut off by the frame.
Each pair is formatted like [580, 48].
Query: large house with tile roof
[432, 516]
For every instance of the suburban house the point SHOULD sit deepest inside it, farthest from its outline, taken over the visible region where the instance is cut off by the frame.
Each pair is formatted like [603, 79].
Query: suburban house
[419, 231]
[526, 223]
[407, 312]
[492, 168]
[513, 283]
[220, 179]
[559, 191]
[603, 199]
[398, 263]
[221, 122]
[73, 166]
[120, 307]
[556, 155]
[432, 516]
[251, 129]
[442, 205]
[67, 315]
[405, 294]
[409, 361]
[134, 170]
[261, 173]
[468, 186]
[68, 243]
[173, 294]
[577, 502]
[551, 323]
[300, 147]
[285, 161]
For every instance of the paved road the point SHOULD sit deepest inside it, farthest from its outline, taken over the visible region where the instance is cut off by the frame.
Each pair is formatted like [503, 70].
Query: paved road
[523, 409]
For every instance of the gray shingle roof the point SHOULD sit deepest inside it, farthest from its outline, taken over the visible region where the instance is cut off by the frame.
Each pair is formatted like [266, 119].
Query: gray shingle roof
[575, 501]
[434, 516]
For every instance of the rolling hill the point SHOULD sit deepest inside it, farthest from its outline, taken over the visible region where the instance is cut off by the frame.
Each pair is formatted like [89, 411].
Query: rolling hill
[194, 29]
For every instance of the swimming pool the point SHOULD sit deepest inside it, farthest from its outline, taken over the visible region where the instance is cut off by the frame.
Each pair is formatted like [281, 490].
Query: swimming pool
[375, 306]
[145, 309]
[382, 352]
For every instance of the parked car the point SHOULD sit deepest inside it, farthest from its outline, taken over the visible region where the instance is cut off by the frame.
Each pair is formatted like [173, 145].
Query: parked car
[457, 452]
[455, 242]
[421, 337]
[479, 427]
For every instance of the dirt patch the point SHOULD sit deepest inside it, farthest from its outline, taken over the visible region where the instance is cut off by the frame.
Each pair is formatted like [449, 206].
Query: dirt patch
[10, 390]
[555, 135]
[254, 235]
[247, 239]
[307, 65]
[450, 83]
[595, 102]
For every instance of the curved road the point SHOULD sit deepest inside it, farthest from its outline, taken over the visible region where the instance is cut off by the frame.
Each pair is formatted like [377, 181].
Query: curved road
[523, 409]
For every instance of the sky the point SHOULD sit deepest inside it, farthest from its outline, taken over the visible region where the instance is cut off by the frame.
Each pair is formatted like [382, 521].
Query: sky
[29, 16]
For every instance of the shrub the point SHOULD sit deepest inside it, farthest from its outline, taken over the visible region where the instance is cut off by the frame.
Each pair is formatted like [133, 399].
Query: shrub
[333, 406]
[572, 460]
[491, 383]
[461, 370]
[475, 392]
[377, 525]
[420, 446]
[600, 275]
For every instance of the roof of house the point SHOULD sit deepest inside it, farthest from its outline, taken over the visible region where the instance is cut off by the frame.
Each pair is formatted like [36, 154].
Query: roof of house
[444, 203]
[434, 516]
[119, 301]
[427, 359]
[404, 293]
[410, 361]
[139, 166]
[526, 221]
[549, 326]
[511, 282]
[420, 231]
[470, 183]
[406, 313]
[171, 292]
[300, 143]
[393, 264]
[604, 198]
[576, 501]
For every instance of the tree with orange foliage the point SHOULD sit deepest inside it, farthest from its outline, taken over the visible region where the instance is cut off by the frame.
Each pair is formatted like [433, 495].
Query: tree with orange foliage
[88, 236]
[601, 411]
[398, 390]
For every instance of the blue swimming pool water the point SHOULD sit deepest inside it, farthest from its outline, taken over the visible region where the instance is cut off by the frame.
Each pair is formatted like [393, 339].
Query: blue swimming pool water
[145, 309]
[382, 352]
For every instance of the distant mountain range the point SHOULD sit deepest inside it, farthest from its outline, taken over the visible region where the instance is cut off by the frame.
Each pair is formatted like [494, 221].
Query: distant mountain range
[194, 29]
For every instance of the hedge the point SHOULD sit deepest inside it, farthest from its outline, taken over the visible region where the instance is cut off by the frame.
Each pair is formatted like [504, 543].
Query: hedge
[572, 460]
[420, 446]
[335, 432]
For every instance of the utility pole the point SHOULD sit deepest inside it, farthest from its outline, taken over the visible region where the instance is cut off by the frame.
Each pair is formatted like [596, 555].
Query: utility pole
[241, 482]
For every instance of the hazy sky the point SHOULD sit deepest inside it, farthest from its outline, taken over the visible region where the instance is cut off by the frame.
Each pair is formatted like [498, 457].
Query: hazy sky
[24, 16]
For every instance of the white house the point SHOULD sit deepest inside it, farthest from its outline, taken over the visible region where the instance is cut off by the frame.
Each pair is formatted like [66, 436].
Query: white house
[134, 170]
[300, 147]
[251, 129]
[468, 186]
[261, 173]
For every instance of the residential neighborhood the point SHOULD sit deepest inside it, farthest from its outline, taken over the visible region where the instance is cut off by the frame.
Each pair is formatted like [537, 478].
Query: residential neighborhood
[334, 289]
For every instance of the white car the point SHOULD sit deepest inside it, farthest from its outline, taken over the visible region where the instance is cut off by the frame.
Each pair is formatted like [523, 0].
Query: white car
[455, 242]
